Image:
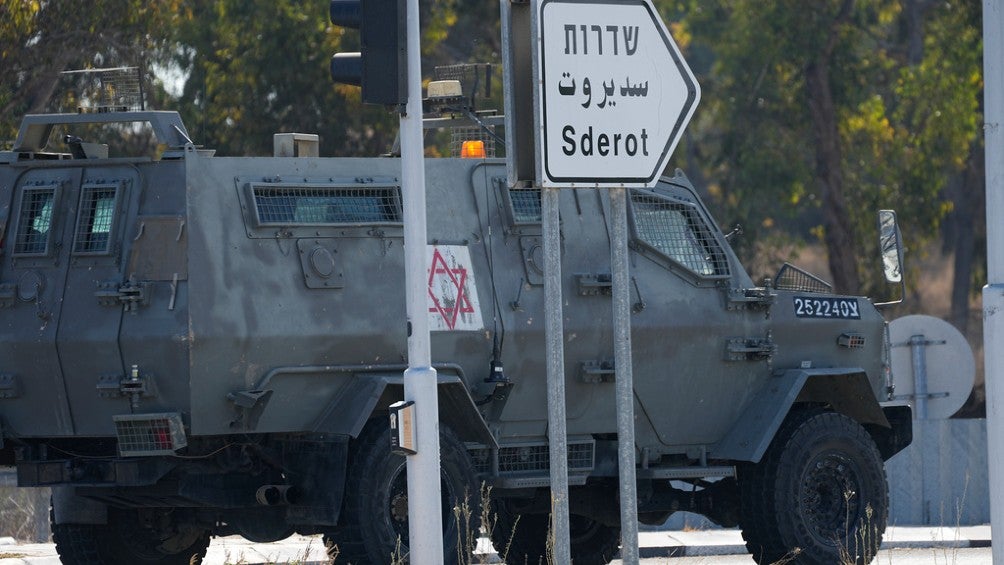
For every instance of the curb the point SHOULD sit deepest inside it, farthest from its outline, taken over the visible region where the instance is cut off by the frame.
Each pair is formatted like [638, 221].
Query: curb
[717, 550]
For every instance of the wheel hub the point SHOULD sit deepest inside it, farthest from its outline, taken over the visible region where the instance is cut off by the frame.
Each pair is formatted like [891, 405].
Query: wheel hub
[829, 497]
[399, 507]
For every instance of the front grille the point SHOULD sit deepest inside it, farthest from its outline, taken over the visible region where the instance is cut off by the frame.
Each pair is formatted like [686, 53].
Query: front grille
[149, 434]
[482, 459]
[529, 458]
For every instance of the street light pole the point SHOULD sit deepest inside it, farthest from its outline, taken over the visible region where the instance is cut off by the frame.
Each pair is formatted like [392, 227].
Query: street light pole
[993, 293]
[425, 528]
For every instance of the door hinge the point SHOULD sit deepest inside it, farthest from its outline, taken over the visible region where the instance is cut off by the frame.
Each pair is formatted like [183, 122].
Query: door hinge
[132, 295]
[134, 385]
[749, 349]
[594, 284]
[742, 298]
[596, 372]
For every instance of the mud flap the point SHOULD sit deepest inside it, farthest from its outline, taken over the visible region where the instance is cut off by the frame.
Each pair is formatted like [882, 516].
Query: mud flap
[68, 508]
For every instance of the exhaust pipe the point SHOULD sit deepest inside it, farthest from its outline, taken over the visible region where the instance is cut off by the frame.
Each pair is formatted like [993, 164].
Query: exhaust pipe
[272, 495]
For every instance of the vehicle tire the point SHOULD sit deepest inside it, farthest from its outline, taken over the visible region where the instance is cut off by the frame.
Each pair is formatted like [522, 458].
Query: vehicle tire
[131, 537]
[375, 513]
[522, 538]
[819, 495]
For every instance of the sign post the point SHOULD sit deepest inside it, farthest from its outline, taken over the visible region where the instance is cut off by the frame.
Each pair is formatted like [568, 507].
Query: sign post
[612, 96]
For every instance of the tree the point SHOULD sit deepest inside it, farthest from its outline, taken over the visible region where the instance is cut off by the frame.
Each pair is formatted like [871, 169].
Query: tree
[254, 68]
[829, 108]
[40, 40]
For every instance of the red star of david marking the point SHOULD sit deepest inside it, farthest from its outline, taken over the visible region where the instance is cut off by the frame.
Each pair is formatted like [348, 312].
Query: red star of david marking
[454, 278]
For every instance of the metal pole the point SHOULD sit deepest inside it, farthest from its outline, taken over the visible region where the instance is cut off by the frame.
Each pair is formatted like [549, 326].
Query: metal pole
[918, 358]
[993, 293]
[624, 375]
[425, 527]
[554, 331]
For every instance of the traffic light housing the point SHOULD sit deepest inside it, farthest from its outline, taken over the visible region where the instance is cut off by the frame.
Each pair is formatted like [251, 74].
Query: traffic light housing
[381, 66]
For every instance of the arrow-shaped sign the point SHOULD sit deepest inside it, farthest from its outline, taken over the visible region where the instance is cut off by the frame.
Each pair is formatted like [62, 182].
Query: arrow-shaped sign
[614, 93]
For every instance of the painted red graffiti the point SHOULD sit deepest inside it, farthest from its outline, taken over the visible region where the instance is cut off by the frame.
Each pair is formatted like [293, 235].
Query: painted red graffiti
[455, 278]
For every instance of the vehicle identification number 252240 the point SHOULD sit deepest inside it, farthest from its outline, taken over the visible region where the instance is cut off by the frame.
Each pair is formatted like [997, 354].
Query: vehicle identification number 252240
[821, 307]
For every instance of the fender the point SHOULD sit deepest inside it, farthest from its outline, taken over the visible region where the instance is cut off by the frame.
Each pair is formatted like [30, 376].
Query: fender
[846, 390]
[366, 390]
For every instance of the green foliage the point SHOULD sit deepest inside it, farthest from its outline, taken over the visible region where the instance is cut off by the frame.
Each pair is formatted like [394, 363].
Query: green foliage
[39, 40]
[903, 127]
[260, 67]
[904, 78]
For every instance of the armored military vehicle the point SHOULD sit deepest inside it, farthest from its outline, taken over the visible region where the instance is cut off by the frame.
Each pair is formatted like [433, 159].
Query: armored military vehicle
[194, 345]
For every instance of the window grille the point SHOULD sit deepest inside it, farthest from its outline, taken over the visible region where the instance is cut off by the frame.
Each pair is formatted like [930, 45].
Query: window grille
[675, 229]
[525, 205]
[94, 224]
[790, 277]
[306, 205]
[35, 221]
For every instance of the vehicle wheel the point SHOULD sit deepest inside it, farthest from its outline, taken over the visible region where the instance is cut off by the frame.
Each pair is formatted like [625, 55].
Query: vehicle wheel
[818, 497]
[374, 519]
[130, 537]
[522, 538]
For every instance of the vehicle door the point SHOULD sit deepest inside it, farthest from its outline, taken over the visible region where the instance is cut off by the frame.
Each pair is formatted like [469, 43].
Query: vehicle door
[35, 258]
[96, 297]
[699, 353]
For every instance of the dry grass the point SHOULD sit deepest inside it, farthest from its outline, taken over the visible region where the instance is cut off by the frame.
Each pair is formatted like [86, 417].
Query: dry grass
[24, 514]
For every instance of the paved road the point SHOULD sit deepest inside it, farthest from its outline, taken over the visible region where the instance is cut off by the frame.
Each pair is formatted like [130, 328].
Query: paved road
[908, 556]
[902, 546]
[915, 556]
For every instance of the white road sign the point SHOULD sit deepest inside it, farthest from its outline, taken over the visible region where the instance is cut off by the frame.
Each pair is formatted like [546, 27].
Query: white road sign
[615, 93]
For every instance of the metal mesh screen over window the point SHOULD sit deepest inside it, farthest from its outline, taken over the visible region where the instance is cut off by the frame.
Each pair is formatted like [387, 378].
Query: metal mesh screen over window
[34, 221]
[525, 205]
[306, 205]
[676, 230]
[94, 226]
[790, 277]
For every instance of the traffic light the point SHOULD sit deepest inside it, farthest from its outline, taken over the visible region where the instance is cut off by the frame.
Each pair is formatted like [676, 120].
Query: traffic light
[381, 66]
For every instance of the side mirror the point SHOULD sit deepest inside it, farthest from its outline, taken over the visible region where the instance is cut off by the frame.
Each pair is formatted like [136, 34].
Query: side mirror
[891, 249]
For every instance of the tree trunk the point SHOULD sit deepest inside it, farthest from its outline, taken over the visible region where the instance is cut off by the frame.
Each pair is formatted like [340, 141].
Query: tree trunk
[968, 218]
[915, 11]
[839, 237]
